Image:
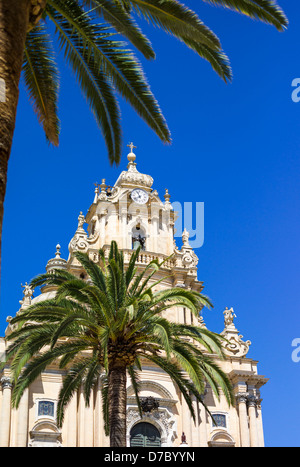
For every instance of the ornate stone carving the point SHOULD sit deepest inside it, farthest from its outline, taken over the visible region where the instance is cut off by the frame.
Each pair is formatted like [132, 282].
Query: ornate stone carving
[229, 315]
[252, 400]
[161, 418]
[186, 257]
[6, 383]
[81, 241]
[242, 397]
[132, 176]
[149, 404]
[57, 262]
[166, 419]
[234, 345]
[27, 296]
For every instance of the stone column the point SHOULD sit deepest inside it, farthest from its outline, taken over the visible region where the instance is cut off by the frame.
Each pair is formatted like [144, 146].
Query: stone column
[86, 421]
[124, 233]
[186, 422]
[155, 230]
[98, 414]
[5, 412]
[252, 420]
[203, 427]
[195, 425]
[243, 419]
[259, 423]
[22, 421]
[89, 424]
[72, 422]
[80, 427]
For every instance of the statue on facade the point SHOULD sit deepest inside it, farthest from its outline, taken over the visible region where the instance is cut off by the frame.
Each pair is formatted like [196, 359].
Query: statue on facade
[229, 315]
[138, 241]
[27, 295]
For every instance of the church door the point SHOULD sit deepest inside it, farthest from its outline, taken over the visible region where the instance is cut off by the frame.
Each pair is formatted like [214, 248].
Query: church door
[145, 435]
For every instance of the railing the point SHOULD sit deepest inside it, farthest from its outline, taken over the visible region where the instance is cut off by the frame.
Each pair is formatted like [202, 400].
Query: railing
[145, 257]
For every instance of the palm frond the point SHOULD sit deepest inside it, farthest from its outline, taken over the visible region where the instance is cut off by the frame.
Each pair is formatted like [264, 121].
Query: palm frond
[93, 81]
[177, 19]
[71, 383]
[123, 23]
[218, 59]
[41, 80]
[93, 270]
[177, 376]
[103, 65]
[267, 11]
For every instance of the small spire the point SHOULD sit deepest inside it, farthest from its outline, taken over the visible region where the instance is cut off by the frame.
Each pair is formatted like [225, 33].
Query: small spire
[167, 196]
[57, 254]
[103, 186]
[96, 192]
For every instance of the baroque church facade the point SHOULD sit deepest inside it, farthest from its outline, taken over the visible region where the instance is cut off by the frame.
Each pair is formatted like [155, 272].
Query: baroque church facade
[132, 213]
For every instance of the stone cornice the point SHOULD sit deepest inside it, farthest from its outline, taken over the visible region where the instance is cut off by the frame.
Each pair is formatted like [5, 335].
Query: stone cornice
[247, 377]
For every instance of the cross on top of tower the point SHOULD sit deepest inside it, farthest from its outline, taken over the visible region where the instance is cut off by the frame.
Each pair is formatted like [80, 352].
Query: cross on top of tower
[131, 156]
[131, 146]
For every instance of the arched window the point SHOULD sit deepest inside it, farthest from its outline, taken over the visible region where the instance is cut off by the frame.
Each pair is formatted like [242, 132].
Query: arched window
[145, 435]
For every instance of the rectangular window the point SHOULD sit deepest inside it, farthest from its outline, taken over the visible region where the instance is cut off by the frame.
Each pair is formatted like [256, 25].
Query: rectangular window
[46, 409]
[219, 420]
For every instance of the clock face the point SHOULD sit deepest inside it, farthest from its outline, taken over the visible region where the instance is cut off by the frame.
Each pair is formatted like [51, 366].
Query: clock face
[139, 196]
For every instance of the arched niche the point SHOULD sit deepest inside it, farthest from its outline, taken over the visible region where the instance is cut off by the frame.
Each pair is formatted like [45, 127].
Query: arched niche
[138, 236]
[221, 439]
[45, 434]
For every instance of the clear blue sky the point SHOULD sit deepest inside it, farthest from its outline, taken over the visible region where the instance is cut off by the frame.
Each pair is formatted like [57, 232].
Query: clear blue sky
[236, 147]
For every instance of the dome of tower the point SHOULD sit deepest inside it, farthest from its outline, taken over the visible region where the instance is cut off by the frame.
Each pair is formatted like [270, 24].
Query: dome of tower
[131, 176]
[57, 262]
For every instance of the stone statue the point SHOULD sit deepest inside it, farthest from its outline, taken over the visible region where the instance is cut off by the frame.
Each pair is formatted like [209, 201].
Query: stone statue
[138, 241]
[229, 315]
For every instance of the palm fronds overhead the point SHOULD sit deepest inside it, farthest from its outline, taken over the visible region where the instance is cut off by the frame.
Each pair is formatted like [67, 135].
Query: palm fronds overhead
[90, 33]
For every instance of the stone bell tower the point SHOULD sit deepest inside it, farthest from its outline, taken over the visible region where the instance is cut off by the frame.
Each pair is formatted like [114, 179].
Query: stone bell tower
[132, 213]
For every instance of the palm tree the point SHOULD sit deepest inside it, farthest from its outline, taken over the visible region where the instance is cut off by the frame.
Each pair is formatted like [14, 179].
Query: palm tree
[102, 64]
[112, 323]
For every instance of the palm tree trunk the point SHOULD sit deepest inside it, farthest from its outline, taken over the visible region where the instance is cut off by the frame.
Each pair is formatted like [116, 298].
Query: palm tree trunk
[117, 406]
[14, 18]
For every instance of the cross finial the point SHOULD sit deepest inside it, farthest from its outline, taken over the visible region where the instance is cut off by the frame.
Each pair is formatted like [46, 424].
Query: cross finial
[131, 146]
[131, 156]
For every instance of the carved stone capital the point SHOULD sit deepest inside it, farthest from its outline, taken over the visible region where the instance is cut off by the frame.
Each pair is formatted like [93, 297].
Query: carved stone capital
[252, 400]
[242, 397]
[6, 383]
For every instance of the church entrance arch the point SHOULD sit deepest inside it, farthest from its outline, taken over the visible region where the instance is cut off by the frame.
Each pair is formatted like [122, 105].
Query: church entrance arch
[145, 435]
